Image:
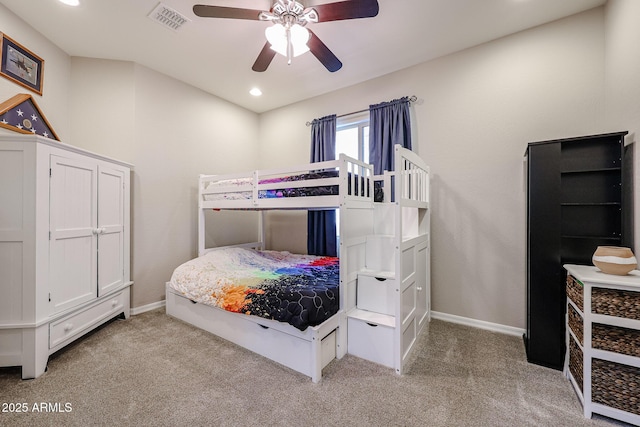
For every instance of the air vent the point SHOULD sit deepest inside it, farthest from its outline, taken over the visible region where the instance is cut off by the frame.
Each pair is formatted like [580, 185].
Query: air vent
[168, 17]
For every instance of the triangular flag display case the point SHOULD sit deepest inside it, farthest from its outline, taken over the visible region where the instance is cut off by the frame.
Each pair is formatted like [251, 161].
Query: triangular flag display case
[21, 114]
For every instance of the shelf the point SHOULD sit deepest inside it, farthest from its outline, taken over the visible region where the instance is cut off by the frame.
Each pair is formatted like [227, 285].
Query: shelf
[576, 387]
[613, 169]
[615, 357]
[614, 413]
[371, 317]
[612, 238]
[587, 204]
[575, 338]
[615, 321]
[573, 304]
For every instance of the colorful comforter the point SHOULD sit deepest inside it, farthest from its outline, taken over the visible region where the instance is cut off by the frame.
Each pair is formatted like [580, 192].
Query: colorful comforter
[301, 290]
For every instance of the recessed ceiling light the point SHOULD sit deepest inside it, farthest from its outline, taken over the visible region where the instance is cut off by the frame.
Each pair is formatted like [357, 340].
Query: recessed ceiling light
[255, 91]
[70, 2]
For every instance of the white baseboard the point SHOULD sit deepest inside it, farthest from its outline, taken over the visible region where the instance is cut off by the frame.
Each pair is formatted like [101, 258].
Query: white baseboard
[148, 307]
[481, 324]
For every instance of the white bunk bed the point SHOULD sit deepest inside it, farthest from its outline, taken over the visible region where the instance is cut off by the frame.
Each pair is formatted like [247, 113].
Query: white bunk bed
[367, 229]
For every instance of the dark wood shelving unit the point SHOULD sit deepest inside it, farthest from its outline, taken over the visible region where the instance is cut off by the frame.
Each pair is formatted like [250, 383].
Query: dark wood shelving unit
[579, 197]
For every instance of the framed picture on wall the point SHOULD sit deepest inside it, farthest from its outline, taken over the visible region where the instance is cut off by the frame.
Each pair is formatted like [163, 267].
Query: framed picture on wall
[20, 65]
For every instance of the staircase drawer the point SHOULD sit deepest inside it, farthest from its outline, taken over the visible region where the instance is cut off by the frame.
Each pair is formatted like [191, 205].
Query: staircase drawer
[376, 294]
[371, 342]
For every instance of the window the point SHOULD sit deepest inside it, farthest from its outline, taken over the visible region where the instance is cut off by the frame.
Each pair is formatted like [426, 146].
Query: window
[352, 138]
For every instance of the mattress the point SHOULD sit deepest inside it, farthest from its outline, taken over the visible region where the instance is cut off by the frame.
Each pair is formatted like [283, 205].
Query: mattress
[301, 290]
[316, 190]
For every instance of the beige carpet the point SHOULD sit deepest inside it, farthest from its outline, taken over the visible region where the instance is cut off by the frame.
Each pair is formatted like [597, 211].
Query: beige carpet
[153, 370]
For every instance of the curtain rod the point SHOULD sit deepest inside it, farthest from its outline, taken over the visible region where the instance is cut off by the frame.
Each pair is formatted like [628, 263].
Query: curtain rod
[412, 98]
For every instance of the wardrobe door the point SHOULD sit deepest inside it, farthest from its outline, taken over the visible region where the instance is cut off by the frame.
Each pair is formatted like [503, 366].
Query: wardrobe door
[545, 289]
[110, 229]
[72, 226]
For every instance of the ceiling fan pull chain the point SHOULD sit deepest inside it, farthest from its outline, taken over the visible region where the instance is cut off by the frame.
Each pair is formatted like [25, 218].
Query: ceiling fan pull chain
[289, 46]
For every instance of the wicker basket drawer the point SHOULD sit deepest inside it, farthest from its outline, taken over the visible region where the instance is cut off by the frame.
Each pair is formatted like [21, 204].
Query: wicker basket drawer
[615, 302]
[616, 339]
[616, 385]
[575, 292]
[576, 323]
[576, 362]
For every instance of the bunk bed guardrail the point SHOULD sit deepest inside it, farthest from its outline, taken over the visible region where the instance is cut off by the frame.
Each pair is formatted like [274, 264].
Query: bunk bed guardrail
[313, 185]
[414, 185]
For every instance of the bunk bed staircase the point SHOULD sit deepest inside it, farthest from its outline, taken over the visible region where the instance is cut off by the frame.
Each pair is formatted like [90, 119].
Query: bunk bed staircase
[392, 291]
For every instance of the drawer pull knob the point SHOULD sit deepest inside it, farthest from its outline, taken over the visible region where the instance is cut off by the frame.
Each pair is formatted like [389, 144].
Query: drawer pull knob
[68, 327]
[114, 303]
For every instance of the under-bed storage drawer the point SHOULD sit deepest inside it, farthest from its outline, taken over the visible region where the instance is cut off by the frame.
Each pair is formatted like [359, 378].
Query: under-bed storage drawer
[289, 346]
[370, 341]
[328, 348]
[67, 328]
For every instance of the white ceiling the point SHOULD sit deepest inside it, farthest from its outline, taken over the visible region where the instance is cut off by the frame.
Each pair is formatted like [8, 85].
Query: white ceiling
[216, 55]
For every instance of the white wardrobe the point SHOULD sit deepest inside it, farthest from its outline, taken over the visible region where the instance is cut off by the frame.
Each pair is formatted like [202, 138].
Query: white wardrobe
[64, 247]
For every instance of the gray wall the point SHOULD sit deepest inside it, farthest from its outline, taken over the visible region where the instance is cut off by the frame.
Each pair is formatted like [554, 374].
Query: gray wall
[171, 132]
[622, 70]
[477, 110]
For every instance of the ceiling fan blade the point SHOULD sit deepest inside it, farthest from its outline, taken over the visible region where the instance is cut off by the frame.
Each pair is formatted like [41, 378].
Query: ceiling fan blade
[206, 11]
[349, 9]
[264, 58]
[322, 52]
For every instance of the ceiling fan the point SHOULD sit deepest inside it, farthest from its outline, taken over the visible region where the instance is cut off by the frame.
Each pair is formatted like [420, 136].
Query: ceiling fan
[288, 35]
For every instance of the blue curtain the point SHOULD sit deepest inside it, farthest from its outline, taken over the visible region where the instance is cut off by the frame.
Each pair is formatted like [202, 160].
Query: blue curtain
[389, 124]
[321, 225]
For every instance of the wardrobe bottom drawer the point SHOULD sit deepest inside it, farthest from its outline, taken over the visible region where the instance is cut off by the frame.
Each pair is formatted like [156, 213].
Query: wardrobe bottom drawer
[371, 342]
[68, 328]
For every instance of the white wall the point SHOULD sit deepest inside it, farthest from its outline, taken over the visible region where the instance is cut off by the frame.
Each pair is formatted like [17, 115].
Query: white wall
[54, 101]
[477, 111]
[622, 80]
[171, 132]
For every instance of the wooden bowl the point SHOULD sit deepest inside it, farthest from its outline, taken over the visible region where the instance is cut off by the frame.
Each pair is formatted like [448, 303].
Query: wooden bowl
[616, 260]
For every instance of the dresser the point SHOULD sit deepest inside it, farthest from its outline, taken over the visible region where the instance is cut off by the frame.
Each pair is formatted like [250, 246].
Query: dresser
[603, 341]
[64, 247]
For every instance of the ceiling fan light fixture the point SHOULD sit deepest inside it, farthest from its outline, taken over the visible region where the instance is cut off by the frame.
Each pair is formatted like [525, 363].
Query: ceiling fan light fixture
[280, 38]
[288, 35]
